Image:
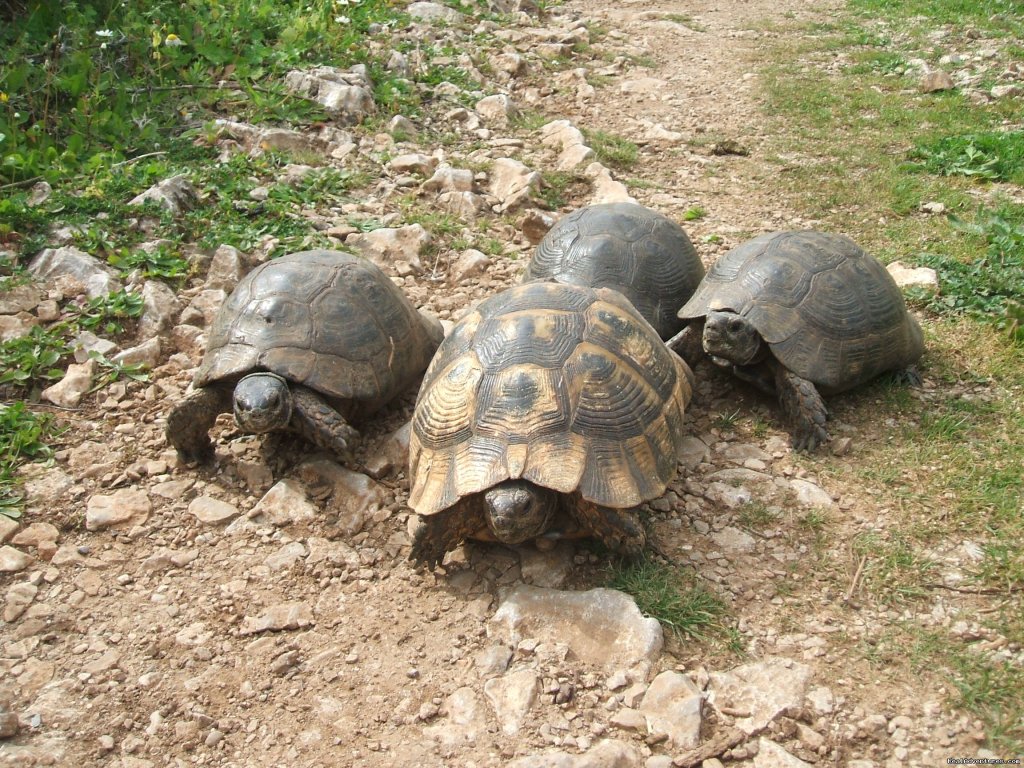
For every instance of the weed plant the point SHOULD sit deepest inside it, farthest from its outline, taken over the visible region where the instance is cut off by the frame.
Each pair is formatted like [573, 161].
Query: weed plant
[87, 83]
[22, 435]
[991, 156]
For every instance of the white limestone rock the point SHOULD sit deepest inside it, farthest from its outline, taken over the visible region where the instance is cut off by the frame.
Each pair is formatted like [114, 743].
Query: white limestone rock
[602, 627]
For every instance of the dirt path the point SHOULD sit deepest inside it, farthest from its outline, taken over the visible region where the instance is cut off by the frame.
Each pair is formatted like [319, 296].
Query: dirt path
[143, 645]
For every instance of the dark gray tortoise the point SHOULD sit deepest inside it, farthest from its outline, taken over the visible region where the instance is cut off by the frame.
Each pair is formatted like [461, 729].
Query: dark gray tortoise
[550, 411]
[801, 314]
[303, 343]
[639, 252]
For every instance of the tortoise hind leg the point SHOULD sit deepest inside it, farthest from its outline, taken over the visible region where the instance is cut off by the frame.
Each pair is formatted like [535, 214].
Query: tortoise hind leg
[319, 423]
[618, 529]
[909, 376]
[804, 409]
[189, 423]
[444, 531]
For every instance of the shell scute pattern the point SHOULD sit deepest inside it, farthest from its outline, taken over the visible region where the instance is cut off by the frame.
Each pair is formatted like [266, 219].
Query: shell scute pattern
[578, 405]
[327, 319]
[632, 249]
[830, 312]
[521, 403]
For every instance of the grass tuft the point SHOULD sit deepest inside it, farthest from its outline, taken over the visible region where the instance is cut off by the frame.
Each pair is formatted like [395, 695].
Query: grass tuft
[670, 595]
[611, 149]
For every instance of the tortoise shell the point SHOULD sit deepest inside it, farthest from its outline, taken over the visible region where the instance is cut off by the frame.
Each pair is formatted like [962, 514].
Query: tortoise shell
[330, 320]
[563, 386]
[639, 252]
[829, 312]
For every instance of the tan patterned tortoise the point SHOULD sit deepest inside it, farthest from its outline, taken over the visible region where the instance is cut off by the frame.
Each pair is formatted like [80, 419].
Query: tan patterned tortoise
[303, 343]
[639, 252]
[801, 314]
[549, 411]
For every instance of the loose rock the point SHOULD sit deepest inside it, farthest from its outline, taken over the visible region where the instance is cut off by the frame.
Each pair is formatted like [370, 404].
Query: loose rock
[176, 194]
[605, 754]
[278, 617]
[212, 511]
[771, 755]
[512, 696]
[93, 275]
[13, 560]
[764, 689]
[284, 504]
[672, 705]
[126, 506]
[602, 627]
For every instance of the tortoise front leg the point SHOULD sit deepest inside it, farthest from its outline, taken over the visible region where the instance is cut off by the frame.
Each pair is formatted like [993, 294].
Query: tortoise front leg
[319, 423]
[619, 529]
[688, 344]
[447, 529]
[759, 375]
[804, 409]
[189, 423]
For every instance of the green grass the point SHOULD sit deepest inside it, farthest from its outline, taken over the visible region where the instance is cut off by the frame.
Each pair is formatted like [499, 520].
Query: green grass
[672, 596]
[611, 149]
[755, 516]
[894, 570]
[684, 20]
[162, 262]
[990, 156]
[22, 435]
[860, 149]
[995, 17]
[34, 358]
[106, 314]
[991, 282]
[558, 188]
[727, 419]
[985, 686]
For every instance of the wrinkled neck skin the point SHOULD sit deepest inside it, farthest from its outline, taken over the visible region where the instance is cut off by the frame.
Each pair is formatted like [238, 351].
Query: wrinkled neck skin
[730, 340]
[262, 403]
[517, 510]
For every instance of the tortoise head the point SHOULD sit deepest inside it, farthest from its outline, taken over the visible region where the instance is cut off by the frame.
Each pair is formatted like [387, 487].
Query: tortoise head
[730, 338]
[262, 403]
[517, 510]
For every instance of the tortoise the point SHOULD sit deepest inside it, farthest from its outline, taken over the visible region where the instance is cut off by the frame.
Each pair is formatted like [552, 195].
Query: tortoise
[549, 411]
[637, 251]
[303, 343]
[801, 314]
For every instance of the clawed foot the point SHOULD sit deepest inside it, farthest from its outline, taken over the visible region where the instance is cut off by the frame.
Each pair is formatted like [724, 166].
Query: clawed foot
[429, 545]
[809, 436]
[909, 376]
[202, 452]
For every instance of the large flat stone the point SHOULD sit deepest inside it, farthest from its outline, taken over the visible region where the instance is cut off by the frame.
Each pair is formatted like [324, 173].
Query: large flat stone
[602, 627]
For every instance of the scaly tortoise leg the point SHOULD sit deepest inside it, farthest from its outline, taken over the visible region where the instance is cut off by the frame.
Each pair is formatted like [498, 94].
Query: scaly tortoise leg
[189, 423]
[619, 529]
[437, 534]
[319, 423]
[688, 344]
[909, 376]
[804, 409]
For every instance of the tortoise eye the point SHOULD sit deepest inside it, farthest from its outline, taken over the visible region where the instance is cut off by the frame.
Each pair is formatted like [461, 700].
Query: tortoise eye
[735, 326]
